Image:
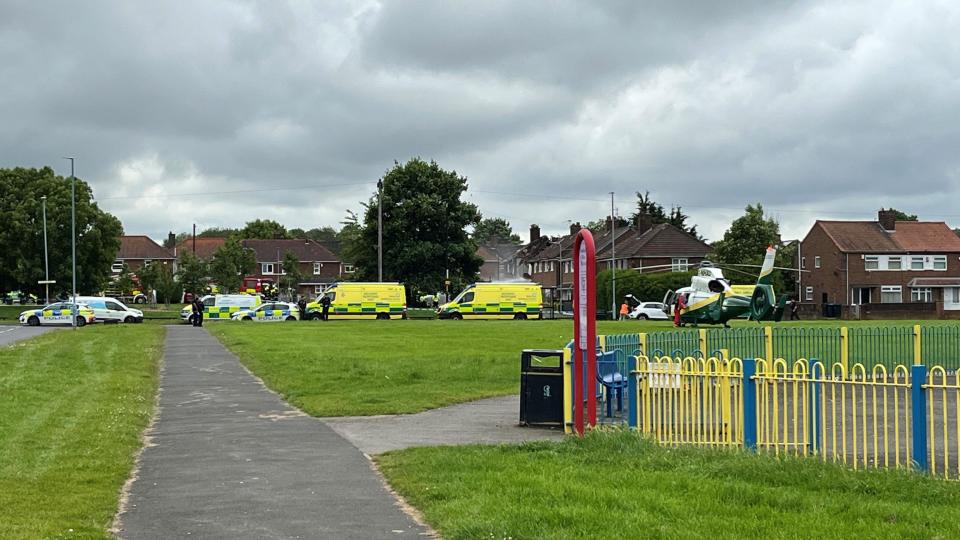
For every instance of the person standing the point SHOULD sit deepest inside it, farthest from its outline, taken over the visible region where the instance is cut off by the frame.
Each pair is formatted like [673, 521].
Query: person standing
[194, 313]
[198, 309]
[794, 310]
[623, 311]
[325, 304]
[302, 306]
[681, 305]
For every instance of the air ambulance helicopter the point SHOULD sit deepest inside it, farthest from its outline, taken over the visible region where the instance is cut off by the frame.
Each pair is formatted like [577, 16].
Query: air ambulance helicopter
[710, 300]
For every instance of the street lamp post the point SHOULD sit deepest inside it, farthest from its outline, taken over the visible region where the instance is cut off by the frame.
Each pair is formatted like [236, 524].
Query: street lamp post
[46, 260]
[613, 258]
[73, 240]
[380, 230]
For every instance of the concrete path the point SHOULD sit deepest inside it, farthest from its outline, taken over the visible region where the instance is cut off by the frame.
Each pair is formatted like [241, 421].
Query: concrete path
[12, 334]
[488, 421]
[227, 458]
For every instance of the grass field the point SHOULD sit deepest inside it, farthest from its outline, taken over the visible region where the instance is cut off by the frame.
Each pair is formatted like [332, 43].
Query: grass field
[72, 408]
[621, 486]
[382, 367]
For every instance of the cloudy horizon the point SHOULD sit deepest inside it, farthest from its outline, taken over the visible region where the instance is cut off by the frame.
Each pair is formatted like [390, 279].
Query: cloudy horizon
[222, 112]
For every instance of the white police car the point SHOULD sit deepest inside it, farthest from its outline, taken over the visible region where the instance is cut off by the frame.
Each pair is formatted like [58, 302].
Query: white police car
[270, 312]
[61, 313]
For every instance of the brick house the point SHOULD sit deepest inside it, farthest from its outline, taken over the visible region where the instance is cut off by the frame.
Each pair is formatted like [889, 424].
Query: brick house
[886, 268]
[202, 246]
[318, 265]
[499, 262]
[137, 251]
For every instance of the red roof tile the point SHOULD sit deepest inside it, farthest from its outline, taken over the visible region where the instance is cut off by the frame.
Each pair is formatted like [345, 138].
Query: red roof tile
[141, 247]
[206, 246]
[908, 236]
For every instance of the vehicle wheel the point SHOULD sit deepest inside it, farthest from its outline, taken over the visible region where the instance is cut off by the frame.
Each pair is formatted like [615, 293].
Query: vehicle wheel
[315, 317]
[129, 320]
[456, 316]
[33, 321]
[520, 317]
[140, 300]
[247, 319]
[383, 317]
[642, 317]
[291, 318]
[81, 321]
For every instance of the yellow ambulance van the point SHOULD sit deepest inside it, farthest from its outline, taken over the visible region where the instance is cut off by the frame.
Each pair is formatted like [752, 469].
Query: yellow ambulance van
[520, 301]
[355, 300]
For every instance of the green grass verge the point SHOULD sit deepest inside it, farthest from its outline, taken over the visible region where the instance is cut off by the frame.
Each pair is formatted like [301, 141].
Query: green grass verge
[621, 486]
[72, 407]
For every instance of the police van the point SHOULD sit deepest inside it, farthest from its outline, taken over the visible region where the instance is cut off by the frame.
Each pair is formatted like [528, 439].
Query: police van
[222, 306]
[270, 312]
[109, 309]
[495, 301]
[58, 313]
[355, 300]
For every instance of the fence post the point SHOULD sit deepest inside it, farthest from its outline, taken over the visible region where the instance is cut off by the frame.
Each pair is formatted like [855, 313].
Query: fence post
[633, 396]
[702, 338]
[918, 406]
[768, 344]
[568, 382]
[749, 404]
[844, 350]
[816, 394]
[642, 340]
[917, 351]
[603, 342]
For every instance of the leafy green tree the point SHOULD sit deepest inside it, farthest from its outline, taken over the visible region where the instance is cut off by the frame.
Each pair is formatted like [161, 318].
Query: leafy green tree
[903, 216]
[424, 229]
[599, 226]
[230, 263]
[21, 233]
[323, 235]
[124, 282]
[745, 243]
[292, 276]
[647, 206]
[263, 229]
[192, 273]
[160, 278]
[495, 231]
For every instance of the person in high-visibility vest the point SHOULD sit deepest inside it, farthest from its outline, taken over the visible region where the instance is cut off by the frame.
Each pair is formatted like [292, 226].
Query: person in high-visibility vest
[623, 311]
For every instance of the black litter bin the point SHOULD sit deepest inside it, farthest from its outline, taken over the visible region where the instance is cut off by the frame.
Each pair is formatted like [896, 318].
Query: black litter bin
[541, 387]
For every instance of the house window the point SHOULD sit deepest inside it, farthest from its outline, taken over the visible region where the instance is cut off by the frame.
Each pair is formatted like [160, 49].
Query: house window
[895, 263]
[921, 294]
[816, 262]
[348, 269]
[891, 294]
[871, 262]
[318, 290]
[679, 264]
[266, 268]
[808, 294]
[939, 262]
[916, 263]
[955, 295]
[316, 268]
[117, 266]
[146, 262]
[803, 262]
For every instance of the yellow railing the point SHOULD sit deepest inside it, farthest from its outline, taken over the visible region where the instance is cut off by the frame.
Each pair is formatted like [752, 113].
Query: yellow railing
[943, 414]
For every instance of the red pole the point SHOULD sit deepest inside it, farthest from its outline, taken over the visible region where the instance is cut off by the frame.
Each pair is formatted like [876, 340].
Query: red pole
[584, 330]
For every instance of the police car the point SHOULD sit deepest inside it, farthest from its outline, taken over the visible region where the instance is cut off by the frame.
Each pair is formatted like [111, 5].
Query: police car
[57, 313]
[270, 312]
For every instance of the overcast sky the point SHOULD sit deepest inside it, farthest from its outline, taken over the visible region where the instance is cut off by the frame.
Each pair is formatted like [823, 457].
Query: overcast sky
[220, 112]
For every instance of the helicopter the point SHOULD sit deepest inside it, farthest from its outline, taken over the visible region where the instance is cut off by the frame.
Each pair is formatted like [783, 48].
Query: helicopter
[711, 300]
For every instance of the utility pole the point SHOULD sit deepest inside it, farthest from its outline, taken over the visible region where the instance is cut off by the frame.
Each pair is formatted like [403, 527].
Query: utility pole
[194, 238]
[46, 260]
[73, 242]
[613, 257]
[380, 230]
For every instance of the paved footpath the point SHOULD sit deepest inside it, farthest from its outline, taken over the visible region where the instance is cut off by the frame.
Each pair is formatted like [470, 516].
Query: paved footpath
[12, 334]
[227, 458]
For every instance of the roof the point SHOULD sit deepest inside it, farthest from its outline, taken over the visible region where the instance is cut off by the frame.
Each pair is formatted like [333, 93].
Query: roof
[908, 236]
[934, 282]
[662, 240]
[141, 247]
[304, 250]
[206, 246]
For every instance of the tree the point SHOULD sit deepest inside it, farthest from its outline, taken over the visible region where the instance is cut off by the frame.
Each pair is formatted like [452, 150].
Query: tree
[230, 263]
[263, 229]
[124, 282]
[160, 278]
[325, 234]
[599, 226]
[21, 235]
[424, 230]
[192, 273]
[495, 231]
[903, 216]
[291, 276]
[746, 242]
[647, 206]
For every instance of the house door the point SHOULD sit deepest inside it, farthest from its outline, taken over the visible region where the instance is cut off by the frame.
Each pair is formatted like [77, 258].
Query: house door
[861, 295]
[951, 298]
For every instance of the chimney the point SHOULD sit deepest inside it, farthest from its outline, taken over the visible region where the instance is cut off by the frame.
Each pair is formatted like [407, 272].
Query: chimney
[172, 240]
[534, 233]
[575, 228]
[609, 224]
[887, 219]
[643, 222]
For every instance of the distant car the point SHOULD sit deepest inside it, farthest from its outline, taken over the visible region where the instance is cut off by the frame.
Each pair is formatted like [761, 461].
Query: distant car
[649, 310]
[270, 312]
[107, 309]
[58, 313]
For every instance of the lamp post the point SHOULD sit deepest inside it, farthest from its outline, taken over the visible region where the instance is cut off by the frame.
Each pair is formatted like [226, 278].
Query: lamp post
[46, 260]
[613, 258]
[73, 240]
[380, 230]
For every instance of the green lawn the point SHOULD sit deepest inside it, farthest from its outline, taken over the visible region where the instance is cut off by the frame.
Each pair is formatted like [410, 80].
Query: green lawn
[72, 407]
[621, 486]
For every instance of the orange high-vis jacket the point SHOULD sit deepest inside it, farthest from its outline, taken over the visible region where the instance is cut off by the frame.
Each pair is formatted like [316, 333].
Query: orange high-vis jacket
[623, 309]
